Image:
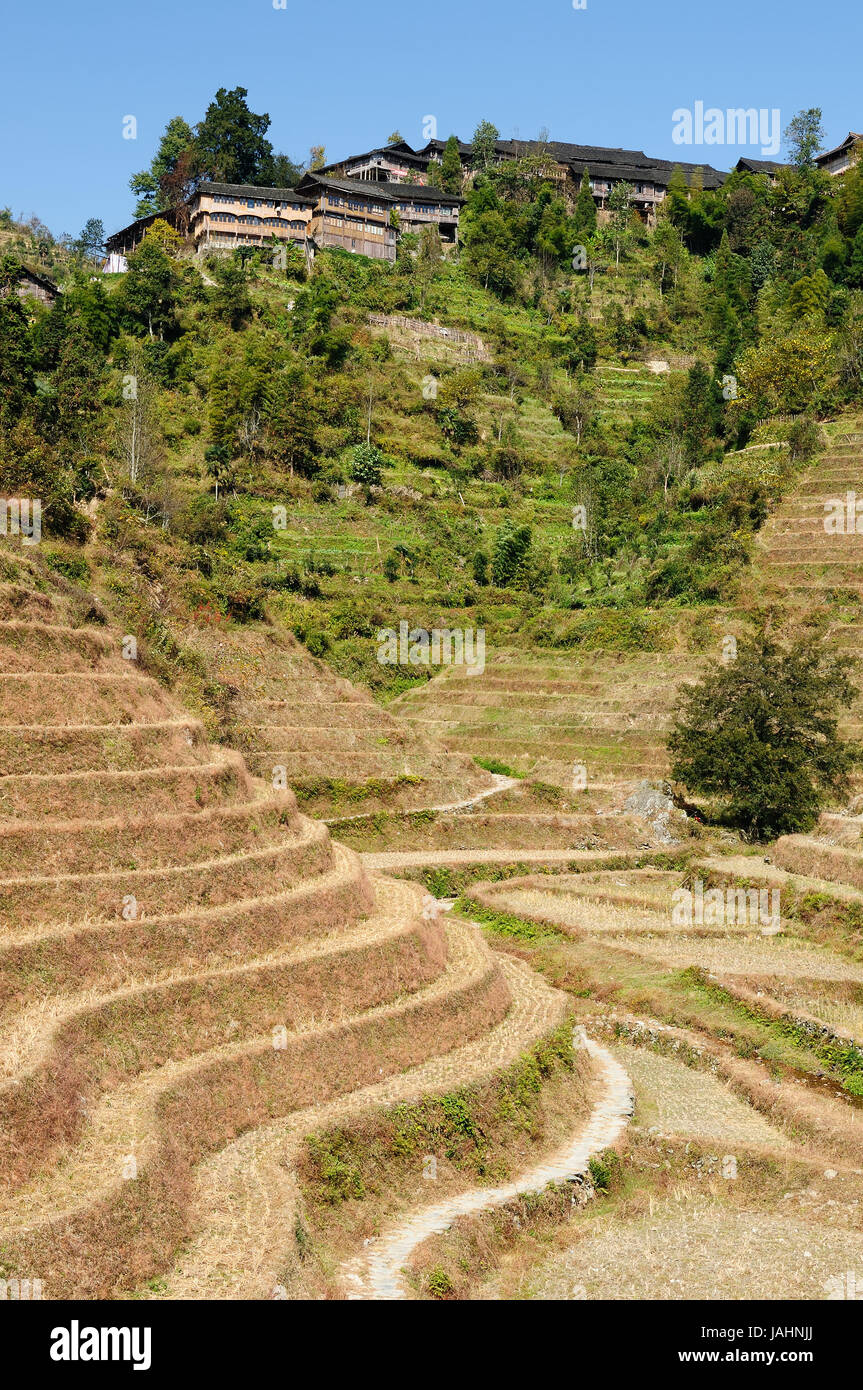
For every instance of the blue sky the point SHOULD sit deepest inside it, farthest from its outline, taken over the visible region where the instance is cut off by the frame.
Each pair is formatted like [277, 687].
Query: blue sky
[344, 73]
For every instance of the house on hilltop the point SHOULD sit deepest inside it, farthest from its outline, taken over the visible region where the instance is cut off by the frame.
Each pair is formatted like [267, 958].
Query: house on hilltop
[32, 284]
[354, 214]
[840, 159]
[760, 166]
[221, 216]
[396, 163]
[566, 163]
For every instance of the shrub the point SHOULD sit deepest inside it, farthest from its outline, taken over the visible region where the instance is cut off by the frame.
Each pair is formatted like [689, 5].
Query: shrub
[367, 465]
[762, 734]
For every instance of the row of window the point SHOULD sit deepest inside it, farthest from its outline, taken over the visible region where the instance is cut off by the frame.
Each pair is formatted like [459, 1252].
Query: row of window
[334, 200]
[255, 202]
[354, 224]
[254, 221]
[602, 186]
[430, 208]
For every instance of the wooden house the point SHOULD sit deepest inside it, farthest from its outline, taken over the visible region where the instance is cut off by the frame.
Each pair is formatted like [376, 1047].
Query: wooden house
[225, 215]
[32, 284]
[840, 159]
[396, 163]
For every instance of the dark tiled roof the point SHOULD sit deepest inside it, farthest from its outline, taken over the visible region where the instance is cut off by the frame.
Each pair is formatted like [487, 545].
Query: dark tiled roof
[384, 192]
[567, 153]
[402, 150]
[369, 189]
[423, 193]
[633, 165]
[250, 190]
[438, 147]
[657, 171]
[850, 139]
[745, 165]
[39, 278]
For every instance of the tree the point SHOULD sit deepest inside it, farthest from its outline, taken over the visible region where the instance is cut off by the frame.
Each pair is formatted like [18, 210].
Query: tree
[676, 202]
[149, 289]
[804, 136]
[700, 414]
[762, 734]
[485, 139]
[576, 407]
[91, 242]
[229, 297]
[783, 374]
[619, 203]
[291, 418]
[667, 253]
[511, 546]
[231, 140]
[317, 157]
[489, 252]
[808, 295]
[451, 173]
[396, 138]
[584, 219]
[17, 384]
[366, 465]
[281, 172]
[854, 273]
[138, 437]
[148, 185]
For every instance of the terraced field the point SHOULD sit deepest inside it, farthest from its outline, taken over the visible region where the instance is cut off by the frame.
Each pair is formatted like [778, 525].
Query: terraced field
[343, 755]
[547, 715]
[746, 1140]
[196, 976]
[186, 958]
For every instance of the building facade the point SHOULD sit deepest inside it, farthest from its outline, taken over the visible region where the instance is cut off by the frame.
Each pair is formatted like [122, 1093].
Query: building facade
[838, 161]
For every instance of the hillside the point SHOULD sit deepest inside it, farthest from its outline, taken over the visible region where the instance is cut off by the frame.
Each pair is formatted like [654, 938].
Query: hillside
[185, 959]
[302, 913]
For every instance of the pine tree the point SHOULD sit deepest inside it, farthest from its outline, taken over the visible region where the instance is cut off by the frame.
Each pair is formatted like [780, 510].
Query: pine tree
[855, 264]
[451, 174]
[585, 208]
[485, 138]
[677, 198]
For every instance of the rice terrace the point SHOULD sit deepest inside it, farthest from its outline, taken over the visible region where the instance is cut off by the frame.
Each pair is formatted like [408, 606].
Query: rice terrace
[431, 710]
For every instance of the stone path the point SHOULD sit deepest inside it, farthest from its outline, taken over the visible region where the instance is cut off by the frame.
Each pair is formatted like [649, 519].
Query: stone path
[377, 1275]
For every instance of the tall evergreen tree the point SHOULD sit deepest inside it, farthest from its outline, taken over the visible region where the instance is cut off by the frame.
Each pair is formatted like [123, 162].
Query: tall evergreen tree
[585, 208]
[451, 174]
[485, 138]
[677, 198]
[231, 139]
[803, 136]
[147, 185]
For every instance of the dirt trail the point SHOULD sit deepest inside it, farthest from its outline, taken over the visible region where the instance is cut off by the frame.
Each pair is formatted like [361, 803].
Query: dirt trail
[246, 1195]
[377, 1275]
[421, 858]
[501, 784]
